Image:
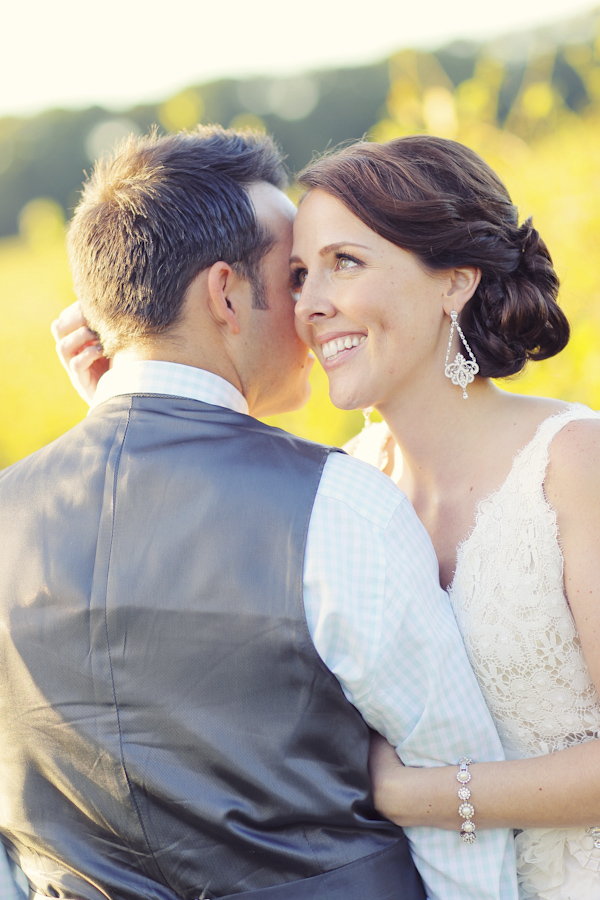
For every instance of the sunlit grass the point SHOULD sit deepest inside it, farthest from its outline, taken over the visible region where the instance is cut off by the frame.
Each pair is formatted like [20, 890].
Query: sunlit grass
[37, 402]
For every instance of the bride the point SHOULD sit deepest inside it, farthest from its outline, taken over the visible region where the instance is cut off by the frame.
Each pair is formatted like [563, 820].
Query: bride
[415, 286]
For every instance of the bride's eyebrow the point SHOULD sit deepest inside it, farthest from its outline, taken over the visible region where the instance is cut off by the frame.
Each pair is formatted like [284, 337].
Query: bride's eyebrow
[332, 248]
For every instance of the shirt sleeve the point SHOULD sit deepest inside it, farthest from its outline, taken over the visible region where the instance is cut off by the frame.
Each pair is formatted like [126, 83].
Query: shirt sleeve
[12, 880]
[385, 628]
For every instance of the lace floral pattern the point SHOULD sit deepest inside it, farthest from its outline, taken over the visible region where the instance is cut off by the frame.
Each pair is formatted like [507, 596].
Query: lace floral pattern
[509, 600]
[557, 864]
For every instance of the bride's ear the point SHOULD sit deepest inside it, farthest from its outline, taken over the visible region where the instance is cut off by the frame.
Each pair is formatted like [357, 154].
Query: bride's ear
[463, 284]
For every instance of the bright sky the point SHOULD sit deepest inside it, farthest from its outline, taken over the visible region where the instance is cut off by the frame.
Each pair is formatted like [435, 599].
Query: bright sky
[115, 53]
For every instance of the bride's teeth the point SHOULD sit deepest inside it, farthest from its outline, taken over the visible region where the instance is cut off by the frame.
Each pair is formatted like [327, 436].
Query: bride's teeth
[337, 345]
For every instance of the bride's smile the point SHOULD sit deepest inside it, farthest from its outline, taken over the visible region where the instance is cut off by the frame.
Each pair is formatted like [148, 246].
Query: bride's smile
[370, 310]
[336, 348]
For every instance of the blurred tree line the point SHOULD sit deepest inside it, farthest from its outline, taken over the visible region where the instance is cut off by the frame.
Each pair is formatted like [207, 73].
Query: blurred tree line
[529, 103]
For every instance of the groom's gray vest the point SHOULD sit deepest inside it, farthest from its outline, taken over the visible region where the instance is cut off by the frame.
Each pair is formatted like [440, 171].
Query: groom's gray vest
[167, 728]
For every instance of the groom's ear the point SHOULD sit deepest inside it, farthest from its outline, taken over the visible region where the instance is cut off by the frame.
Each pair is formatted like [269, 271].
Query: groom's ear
[227, 295]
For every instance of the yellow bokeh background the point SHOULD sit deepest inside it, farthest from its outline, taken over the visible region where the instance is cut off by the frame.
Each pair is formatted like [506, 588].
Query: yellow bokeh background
[547, 154]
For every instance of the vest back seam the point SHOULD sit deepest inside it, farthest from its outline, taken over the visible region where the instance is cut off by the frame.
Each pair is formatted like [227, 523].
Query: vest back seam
[112, 677]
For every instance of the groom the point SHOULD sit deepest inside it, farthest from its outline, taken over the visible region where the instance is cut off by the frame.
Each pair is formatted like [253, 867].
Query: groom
[195, 607]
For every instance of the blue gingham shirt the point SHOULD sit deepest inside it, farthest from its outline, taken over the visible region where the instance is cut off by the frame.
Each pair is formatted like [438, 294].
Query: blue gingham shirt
[13, 885]
[384, 627]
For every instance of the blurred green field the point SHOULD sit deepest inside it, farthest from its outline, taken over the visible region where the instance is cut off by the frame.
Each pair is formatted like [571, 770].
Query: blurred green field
[547, 154]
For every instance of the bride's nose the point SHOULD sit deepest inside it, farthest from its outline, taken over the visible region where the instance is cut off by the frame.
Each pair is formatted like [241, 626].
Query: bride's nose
[313, 303]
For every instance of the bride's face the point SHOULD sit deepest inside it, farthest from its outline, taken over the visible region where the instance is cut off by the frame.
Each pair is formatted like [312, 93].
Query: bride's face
[369, 310]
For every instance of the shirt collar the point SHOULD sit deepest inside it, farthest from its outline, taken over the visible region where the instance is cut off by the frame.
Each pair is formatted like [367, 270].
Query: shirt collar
[143, 376]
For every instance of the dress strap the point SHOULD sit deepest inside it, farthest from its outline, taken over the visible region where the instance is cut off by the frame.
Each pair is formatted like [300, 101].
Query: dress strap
[533, 458]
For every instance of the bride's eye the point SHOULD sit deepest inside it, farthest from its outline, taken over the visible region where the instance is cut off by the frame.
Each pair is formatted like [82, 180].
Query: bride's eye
[343, 263]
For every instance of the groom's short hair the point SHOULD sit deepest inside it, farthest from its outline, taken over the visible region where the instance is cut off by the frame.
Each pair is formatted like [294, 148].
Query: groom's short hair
[155, 214]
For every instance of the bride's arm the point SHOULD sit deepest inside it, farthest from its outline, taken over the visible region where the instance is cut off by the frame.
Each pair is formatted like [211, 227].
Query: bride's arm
[561, 789]
[573, 488]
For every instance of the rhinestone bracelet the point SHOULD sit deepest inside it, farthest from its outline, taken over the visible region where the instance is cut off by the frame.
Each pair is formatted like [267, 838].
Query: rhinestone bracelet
[466, 810]
[595, 833]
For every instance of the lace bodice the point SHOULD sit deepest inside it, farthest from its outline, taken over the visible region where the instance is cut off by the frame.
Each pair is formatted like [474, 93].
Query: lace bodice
[509, 600]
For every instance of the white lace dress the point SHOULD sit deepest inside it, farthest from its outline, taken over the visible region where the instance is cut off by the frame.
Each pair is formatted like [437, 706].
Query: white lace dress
[509, 600]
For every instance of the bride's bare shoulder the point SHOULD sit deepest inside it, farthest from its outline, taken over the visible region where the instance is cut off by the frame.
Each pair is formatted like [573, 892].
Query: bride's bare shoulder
[573, 476]
[577, 445]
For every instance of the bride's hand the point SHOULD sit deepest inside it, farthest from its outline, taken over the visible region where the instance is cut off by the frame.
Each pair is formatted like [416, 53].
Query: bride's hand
[412, 795]
[80, 351]
[385, 770]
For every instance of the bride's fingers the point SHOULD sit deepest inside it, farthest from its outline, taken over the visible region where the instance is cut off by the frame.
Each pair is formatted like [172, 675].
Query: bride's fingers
[85, 370]
[73, 343]
[79, 351]
[81, 364]
[70, 319]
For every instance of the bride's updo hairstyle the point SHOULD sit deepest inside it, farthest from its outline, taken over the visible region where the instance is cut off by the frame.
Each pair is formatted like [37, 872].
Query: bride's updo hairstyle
[441, 201]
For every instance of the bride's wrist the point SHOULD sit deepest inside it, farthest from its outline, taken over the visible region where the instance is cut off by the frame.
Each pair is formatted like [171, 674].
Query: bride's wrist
[420, 796]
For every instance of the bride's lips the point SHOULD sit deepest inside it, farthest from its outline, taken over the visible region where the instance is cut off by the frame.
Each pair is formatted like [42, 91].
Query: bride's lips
[337, 348]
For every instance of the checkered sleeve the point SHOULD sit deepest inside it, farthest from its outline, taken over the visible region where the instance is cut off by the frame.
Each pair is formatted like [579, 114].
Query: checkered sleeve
[13, 884]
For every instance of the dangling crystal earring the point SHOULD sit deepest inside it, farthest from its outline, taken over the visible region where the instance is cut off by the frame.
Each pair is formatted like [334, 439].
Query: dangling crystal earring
[367, 414]
[462, 371]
